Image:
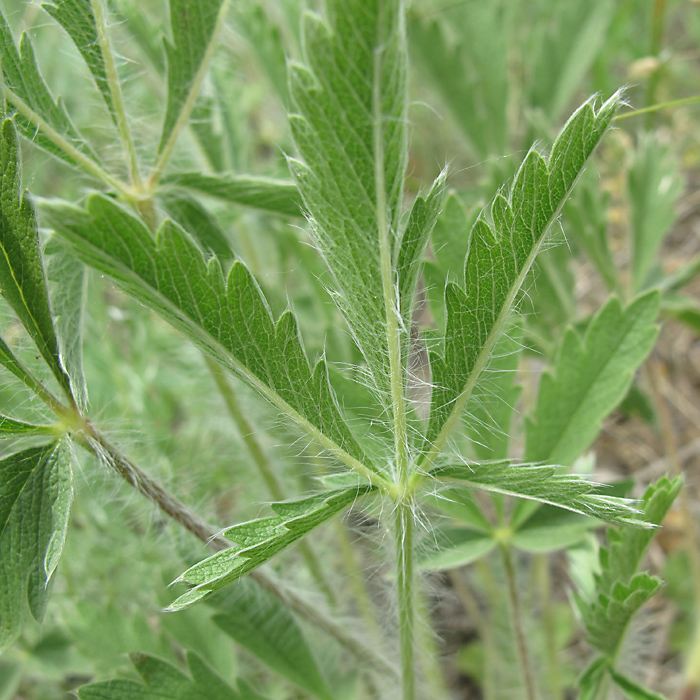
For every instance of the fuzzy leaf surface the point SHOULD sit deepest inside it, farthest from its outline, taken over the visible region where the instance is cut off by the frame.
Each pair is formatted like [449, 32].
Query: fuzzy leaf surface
[198, 221]
[77, 18]
[543, 483]
[22, 279]
[619, 590]
[349, 125]
[262, 625]
[9, 427]
[591, 376]
[192, 25]
[22, 76]
[36, 492]
[265, 193]
[257, 541]
[421, 221]
[68, 289]
[160, 681]
[227, 317]
[499, 257]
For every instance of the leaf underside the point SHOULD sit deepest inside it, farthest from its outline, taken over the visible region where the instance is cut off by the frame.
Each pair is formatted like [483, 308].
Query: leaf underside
[543, 483]
[36, 492]
[22, 279]
[259, 540]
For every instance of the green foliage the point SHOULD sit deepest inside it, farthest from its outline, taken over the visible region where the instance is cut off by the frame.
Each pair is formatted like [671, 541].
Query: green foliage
[619, 590]
[591, 376]
[22, 76]
[193, 28]
[502, 253]
[77, 18]
[161, 680]
[22, 278]
[263, 626]
[349, 125]
[255, 542]
[222, 316]
[277, 196]
[35, 499]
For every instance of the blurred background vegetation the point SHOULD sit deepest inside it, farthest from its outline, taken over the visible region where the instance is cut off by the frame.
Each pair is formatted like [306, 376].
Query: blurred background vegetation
[488, 80]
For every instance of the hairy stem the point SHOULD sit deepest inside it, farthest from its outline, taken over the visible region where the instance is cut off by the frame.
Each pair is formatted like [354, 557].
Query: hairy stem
[517, 622]
[186, 111]
[86, 163]
[116, 92]
[406, 580]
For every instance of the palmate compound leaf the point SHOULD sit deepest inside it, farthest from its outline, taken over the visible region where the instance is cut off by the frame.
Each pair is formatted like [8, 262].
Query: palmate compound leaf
[162, 680]
[591, 376]
[36, 492]
[500, 254]
[78, 20]
[349, 125]
[22, 76]
[22, 279]
[195, 26]
[619, 590]
[257, 541]
[227, 317]
[542, 483]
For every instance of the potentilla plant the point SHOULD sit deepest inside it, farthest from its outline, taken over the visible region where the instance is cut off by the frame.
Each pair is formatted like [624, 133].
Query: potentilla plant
[348, 115]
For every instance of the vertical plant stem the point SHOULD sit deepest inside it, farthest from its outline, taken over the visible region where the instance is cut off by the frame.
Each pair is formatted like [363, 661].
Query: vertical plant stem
[262, 462]
[404, 501]
[692, 544]
[405, 579]
[517, 622]
[116, 92]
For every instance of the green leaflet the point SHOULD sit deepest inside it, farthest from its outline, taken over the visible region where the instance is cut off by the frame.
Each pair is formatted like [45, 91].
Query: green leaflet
[22, 280]
[77, 18]
[489, 415]
[68, 288]
[499, 257]
[22, 76]
[36, 491]
[8, 359]
[455, 547]
[619, 590]
[227, 317]
[193, 217]
[654, 186]
[9, 427]
[633, 690]
[265, 627]
[194, 28]
[349, 125]
[546, 484]
[259, 540]
[421, 223]
[161, 680]
[268, 194]
[591, 376]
